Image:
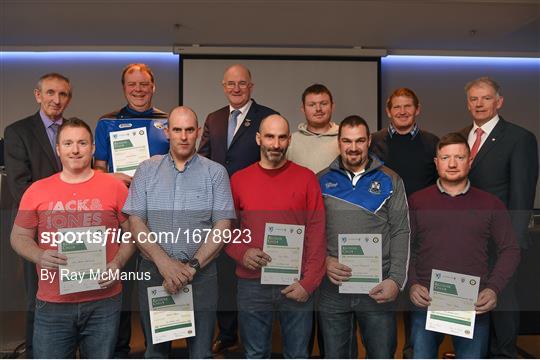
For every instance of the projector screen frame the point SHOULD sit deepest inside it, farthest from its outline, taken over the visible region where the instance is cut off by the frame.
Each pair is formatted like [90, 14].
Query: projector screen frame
[376, 59]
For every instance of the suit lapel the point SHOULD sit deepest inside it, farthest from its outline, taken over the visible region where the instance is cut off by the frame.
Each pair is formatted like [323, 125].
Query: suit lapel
[492, 140]
[41, 135]
[221, 129]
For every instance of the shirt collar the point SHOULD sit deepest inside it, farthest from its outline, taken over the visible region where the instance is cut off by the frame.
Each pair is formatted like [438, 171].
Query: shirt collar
[443, 191]
[350, 173]
[141, 114]
[47, 121]
[488, 126]
[243, 110]
[188, 163]
[392, 130]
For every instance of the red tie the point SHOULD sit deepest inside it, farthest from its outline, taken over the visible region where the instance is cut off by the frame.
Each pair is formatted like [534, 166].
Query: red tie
[479, 132]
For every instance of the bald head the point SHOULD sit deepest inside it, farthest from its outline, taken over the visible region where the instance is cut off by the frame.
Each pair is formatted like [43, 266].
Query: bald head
[182, 132]
[237, 69]
[183, 112]
[273, 121]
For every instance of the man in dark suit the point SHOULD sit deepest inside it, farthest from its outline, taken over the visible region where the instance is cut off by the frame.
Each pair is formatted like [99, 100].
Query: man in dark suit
[505, 163]
[30, 156]
[229, 139]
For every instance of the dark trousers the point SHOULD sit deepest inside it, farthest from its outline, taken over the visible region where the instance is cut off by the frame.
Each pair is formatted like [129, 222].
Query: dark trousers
[316, 334]
[405, 305]
[505, 323]
[227, 314]
[122, 348]
[31, 286]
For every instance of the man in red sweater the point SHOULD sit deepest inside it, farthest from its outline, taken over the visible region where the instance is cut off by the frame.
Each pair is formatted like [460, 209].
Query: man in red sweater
[275, 190]
[451, 225]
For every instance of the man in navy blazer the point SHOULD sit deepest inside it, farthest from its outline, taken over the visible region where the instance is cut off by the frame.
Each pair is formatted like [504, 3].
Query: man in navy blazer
[229, 139]
[505, 163]
[243, 149]
[30, 155]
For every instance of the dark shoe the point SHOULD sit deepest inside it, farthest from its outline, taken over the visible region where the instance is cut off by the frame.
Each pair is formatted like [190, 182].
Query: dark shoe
[219, 347]
[408, 353]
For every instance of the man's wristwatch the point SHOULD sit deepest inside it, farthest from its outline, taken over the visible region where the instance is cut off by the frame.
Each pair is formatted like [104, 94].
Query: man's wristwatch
[194, 263]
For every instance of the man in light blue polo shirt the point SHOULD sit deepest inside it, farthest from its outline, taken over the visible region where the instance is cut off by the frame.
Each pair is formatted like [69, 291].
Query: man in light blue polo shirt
[186, 195]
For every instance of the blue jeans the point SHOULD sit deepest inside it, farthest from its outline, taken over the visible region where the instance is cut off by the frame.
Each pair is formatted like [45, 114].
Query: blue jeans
[204, 303]
[256, 306]
[426, 343]
[92, 326]
[338, 312]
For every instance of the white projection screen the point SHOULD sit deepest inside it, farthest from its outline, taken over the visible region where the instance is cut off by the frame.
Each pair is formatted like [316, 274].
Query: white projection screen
[279, 83]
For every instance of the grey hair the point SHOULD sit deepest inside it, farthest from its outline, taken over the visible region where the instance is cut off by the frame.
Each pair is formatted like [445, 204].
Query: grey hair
[484, 80]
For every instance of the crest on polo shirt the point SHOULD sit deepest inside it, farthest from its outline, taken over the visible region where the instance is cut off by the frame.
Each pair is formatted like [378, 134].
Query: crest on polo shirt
[375, 187]
[160, 124]
[330, 185]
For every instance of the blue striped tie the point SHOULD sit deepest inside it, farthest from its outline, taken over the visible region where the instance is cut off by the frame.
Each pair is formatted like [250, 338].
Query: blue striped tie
[232, 126]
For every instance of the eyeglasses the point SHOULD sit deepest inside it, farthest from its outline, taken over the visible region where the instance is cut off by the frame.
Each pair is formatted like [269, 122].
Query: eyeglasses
[232, 84]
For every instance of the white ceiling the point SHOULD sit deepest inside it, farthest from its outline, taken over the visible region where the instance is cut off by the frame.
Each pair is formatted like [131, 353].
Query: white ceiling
[459, 25]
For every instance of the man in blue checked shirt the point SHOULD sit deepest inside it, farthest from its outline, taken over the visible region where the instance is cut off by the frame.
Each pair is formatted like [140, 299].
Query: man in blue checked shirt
[181, 193]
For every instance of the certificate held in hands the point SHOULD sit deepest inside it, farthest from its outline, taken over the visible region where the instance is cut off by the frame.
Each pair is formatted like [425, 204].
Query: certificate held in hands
[363, 254]
[129, 148]
[285, 244]
[171, 315]
[452, 303]
[86, 259]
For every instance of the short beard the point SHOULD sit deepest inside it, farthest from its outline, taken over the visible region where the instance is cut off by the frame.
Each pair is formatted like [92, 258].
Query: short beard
[274, 159]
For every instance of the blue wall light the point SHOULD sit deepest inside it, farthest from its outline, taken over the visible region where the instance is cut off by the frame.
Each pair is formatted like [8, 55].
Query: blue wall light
[86, 55]
[459, 60]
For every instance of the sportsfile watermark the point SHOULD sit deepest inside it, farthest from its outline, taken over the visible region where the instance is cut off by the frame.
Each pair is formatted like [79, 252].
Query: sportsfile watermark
[112, 235]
